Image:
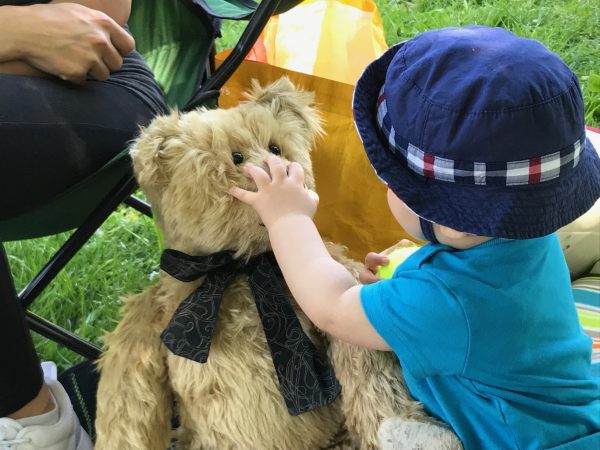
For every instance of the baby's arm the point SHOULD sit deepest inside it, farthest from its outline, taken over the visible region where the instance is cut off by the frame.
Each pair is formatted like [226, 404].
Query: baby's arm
[324, 289]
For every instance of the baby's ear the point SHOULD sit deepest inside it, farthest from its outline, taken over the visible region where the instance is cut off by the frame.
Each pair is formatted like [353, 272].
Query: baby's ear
[155, 151]
[283, 97]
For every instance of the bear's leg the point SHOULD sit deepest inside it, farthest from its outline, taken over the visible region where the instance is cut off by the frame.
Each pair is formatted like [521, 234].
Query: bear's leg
[134, 401]
[373, 390]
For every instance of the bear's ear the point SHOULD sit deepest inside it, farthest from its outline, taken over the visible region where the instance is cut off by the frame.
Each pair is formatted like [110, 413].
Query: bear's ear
[155, 152]
[282, 96]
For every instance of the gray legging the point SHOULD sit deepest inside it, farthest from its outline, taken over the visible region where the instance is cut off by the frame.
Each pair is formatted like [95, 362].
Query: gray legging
[53, 134]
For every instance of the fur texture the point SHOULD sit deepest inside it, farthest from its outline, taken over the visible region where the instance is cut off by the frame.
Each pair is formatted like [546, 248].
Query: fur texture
[184, 164]
[399, 434]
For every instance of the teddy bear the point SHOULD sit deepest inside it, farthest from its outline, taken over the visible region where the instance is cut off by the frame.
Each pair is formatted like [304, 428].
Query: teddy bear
[217, 344]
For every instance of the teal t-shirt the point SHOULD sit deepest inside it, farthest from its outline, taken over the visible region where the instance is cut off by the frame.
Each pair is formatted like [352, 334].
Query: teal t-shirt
[490, 343]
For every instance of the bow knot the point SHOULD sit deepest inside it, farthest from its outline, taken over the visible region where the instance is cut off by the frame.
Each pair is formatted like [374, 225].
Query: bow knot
[306, 380]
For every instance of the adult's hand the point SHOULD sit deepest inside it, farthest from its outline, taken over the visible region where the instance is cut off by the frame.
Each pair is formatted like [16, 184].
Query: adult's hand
[68, 40]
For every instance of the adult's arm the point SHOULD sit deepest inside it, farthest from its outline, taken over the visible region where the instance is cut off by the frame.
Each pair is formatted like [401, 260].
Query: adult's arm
[118, 10]
[63, 39]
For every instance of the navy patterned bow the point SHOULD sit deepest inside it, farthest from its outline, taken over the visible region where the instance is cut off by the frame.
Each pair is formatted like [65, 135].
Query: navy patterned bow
[306, 380]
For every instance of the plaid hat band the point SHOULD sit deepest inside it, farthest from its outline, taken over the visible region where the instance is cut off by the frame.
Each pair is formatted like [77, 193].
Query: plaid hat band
[510, 173]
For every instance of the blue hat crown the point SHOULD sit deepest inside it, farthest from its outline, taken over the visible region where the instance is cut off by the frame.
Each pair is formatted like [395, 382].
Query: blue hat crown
[483, 94]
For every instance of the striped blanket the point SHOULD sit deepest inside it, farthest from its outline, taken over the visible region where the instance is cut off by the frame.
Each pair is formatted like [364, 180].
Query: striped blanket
[586, 292]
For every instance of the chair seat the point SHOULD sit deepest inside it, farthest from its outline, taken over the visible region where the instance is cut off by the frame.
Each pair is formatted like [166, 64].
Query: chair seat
[69, 209]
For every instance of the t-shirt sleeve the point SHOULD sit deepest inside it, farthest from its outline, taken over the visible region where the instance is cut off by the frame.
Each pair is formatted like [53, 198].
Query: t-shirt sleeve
[421, 320]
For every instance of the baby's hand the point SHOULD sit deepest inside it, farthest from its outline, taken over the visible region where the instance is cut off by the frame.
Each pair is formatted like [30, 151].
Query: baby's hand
[372, 262]
[281, 193]
[375, 260]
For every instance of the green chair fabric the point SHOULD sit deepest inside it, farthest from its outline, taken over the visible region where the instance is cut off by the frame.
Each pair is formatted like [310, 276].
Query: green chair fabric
[229, 9]
[174, 41]
[175, 38]
[239, 9]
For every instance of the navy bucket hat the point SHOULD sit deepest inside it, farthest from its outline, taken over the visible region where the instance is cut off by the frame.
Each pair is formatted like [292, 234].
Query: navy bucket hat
[479, 130]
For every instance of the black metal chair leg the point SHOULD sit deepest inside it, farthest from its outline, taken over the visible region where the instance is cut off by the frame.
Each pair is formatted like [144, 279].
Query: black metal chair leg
[38, 324]
[139, 204]
[42, 326]
[62, 336]
[77, 240]
[249, 36]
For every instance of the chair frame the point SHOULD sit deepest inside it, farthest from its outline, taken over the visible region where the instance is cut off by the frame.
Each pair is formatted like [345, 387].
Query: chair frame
[121, 193]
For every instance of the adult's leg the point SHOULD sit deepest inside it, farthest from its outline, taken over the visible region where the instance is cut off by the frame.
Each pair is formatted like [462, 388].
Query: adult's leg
[20, 376]
[52, 134]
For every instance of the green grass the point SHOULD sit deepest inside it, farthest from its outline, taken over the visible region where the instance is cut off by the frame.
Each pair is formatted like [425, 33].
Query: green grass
[570, 28]
[123, 255]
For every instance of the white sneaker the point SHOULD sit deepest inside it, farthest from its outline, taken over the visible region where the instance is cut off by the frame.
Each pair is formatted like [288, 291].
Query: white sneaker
[65, 434]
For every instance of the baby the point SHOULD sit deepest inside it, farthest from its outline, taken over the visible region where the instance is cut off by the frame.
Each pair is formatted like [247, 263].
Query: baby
[479, 135]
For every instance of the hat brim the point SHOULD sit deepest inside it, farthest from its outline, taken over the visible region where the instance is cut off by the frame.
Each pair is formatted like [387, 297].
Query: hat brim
[514, 212]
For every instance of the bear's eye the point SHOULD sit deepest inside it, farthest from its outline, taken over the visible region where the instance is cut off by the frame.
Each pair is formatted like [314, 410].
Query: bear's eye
[274, 149]
[237, 157]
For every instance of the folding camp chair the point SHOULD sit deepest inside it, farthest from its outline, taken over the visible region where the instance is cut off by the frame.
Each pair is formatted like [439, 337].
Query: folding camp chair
[177, 40]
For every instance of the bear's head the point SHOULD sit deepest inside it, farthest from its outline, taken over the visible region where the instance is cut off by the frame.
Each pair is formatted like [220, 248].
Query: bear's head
[186, 164]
